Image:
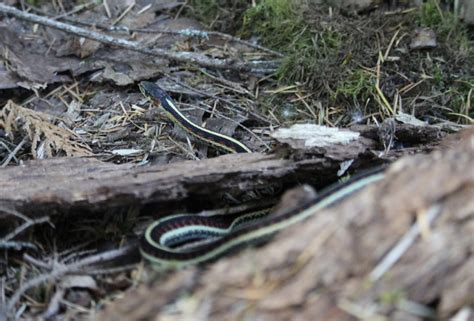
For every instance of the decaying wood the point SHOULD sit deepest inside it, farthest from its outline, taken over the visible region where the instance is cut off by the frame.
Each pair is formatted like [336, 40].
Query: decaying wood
[75, 183]
[68, 184]
[324, 268]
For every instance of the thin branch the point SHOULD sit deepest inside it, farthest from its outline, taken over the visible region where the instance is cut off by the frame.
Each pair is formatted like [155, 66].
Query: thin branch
[13, 153]
[61, 270]
[206, 34]
[402, 246]
[184, 32]
[16, 245]
[11, 211]
[54, 304]
[23, 227]
[184, 57]
[8, 149]
[36, 262]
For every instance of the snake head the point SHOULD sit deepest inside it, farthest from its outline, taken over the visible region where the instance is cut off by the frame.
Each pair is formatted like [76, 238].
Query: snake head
[153, 92]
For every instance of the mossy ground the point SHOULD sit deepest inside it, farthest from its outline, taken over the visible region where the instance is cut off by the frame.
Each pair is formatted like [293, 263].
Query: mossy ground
[344, 67]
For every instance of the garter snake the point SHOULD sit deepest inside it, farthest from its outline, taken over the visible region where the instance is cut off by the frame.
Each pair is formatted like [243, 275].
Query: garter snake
[158, 96]
[179, 240]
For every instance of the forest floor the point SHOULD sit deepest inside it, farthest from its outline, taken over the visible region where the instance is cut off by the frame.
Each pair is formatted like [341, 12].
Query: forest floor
[388, 84]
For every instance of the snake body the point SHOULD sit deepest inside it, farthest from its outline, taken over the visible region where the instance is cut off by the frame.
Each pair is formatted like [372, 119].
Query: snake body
[158, 96]
[179, 240]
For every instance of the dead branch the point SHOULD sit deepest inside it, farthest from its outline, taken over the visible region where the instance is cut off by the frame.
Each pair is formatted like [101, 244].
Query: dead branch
[185, 33]
[402, 245]
[184, 57]
[23, 227]
[12, 154]
[76, 183]
[16, 245]
[60, 270]
[89, 185]
[6, 241]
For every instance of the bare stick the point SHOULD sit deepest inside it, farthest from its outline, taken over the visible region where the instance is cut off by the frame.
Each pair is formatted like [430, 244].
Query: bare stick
[13, 153]
[184, 32]
[16, 245]
[24, 226]
[61, 269]
[54, 304]
[184, 57]
[11, 211]
[402, 246]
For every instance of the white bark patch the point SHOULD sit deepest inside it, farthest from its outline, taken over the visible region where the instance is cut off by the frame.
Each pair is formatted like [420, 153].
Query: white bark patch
[315, 135]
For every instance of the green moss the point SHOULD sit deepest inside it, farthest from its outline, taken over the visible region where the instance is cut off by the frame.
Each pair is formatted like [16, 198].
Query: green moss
[331, 57]
[429, 15]
[295, 66]
[220, 15]
[438, 75]
[276, 23]
[359, 85]
[456, 94]
[446, 24]
[279, 25]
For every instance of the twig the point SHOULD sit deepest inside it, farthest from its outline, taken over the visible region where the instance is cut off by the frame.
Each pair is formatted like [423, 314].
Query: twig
[124, 13]
[402, 246]
[14, 212]
[23, 227]
[61, 269]
[76, 9]
[228, 84]
[184, 57]
[54, 304]
[8, 149]
[392, 41]
[184, 32]
[206, 34]
[36, 262]
[16, 245]
[13, 153]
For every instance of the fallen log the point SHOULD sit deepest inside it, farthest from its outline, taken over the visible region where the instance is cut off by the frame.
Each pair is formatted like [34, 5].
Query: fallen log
[399, 250]
[66, 185]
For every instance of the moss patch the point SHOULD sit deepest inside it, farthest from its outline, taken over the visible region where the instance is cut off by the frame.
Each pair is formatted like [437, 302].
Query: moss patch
[337, 56]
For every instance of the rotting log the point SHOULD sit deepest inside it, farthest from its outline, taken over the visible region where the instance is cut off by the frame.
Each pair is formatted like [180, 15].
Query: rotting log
[335, 265]
[66, 185]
